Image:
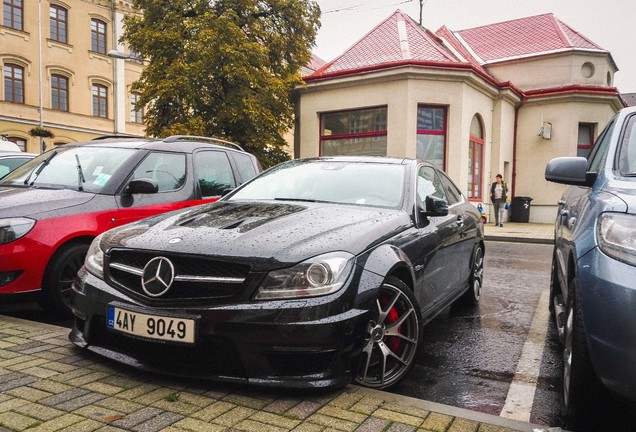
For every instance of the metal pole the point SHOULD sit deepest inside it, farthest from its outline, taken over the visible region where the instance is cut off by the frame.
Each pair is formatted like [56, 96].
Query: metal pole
[42, 148]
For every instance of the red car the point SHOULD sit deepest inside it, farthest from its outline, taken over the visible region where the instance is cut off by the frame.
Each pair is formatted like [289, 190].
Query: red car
[53, 206]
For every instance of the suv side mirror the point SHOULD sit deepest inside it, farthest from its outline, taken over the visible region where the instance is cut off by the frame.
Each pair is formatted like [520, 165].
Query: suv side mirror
[142, 186]
[570, 171]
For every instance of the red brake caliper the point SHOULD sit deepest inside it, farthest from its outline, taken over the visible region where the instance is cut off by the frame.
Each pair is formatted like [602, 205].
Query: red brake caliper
[392, 342]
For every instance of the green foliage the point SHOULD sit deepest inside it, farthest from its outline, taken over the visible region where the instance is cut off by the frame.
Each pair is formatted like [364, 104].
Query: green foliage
[223, 68]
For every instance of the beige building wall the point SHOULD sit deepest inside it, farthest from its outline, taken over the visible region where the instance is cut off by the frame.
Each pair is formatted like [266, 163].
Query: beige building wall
[78, 63]
[533, 151]
[573, 68]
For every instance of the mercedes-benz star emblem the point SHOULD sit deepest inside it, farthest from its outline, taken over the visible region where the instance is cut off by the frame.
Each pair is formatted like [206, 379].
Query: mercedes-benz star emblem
[157, 276]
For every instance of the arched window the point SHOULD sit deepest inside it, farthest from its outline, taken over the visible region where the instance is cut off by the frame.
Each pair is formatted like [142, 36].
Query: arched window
[13, 14]
[100, 101]
[136, 114]
[58, 23]
[59, 92]
[475, 159]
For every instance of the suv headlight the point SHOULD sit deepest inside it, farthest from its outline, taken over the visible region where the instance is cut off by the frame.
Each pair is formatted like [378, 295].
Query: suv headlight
[617, 237]
[13, 228]
[94, 261]
[321, 275]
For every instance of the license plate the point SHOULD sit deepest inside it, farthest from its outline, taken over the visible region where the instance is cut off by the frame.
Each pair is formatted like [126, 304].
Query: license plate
[149, 326]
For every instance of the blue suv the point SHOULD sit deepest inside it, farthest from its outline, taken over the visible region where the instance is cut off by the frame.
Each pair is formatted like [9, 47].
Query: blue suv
[593, 284]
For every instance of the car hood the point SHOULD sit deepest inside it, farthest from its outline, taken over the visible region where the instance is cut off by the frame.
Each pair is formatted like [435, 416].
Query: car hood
[38, 203]
[267, 234]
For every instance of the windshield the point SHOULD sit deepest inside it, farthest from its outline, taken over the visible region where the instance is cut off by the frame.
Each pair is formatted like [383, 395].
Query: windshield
[361, 183]
[80, 168]
[627, 155]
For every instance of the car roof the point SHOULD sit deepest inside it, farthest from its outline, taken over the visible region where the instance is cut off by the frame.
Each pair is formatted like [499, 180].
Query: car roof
[180, 143]
[365, 159]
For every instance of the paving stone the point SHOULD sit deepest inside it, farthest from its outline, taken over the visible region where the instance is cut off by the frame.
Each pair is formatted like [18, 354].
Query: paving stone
[81, 401]
[373, 425]
[178, 406]
[398, 417]
[137, 417]
[234, 416]
[280, 406]
[27, 346]
[119, 404]
[345, 400]
[405, 409]
[28, 393]
[154, 396]
[463, 425]
[308, 427]
[86, 425]
[60, 367]
[17, 422]
[195, 425]
[399, 427]
[64, 396]
[437, 422]
[213, 411]
[11, 404]
[50, 386]
[58, 423]
[22, 380]
[251, 425]
[39, 411]
[492, 428]
[332, 423]
[158, 422]
[103, 388]
[40, 372]
[246, 401]
[20, 363]
[343, 414]
[367, 405]
[67, 377]
[135, 392]
[85, 379]
[275, 420]
[304, 409]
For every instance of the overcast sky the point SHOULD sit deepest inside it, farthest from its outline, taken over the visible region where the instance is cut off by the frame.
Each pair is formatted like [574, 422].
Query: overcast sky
[611, 24]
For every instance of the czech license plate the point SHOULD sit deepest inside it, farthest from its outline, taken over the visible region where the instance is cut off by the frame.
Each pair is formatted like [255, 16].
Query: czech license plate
[166, 328]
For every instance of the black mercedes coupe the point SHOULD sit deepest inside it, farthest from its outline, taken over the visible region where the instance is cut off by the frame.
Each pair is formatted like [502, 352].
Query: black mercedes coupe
[315, 273]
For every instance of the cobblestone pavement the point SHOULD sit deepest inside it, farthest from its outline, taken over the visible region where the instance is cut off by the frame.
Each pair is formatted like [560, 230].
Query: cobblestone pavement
[47, 384]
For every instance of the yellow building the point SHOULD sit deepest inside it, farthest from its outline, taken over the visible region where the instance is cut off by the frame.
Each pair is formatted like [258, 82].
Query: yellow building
[57, 71]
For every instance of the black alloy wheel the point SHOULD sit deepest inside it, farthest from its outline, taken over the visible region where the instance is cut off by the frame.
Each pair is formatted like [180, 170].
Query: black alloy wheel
[392, 338]
[59, 276]
[473, 294]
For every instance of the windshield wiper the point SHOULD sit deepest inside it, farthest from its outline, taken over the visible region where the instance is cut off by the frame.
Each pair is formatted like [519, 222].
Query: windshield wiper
[80, 175]
[39, 170]
[302, 200]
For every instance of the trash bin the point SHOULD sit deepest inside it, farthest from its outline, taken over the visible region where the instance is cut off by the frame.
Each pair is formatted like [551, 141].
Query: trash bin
[520, 209]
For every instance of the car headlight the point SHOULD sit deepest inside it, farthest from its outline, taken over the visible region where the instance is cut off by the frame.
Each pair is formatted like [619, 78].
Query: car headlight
[317, 276]
[94, 261]
[13, 228]
[617, 237]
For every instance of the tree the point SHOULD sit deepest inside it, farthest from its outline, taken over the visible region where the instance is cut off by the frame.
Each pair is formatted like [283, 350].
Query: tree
[222, 68]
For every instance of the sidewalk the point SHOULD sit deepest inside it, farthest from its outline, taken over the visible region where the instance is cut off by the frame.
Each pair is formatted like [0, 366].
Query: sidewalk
[47, 384]
[520, 232]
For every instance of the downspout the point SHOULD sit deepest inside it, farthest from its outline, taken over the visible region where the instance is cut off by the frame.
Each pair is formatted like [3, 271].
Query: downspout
[514, 146]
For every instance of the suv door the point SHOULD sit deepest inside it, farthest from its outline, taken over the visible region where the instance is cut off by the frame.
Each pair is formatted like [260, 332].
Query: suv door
[175, 189]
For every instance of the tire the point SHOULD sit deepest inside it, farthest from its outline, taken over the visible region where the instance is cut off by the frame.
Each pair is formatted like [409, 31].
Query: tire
[556, 306]
[59, 276]
[581, 387]
[473, 293]
[393, 336]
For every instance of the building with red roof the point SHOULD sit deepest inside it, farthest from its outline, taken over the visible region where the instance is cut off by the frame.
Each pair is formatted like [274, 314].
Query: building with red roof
[501, 98]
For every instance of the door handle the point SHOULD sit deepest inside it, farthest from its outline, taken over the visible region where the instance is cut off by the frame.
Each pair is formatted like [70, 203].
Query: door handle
[561, 202]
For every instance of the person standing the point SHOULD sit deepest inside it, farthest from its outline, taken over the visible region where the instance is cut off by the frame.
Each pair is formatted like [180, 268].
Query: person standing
[498, 196]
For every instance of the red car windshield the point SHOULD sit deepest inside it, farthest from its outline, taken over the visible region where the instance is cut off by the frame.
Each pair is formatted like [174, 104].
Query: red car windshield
[81, 168]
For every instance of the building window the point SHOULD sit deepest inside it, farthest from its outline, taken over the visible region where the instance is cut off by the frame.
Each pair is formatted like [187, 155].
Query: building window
[98, 36]
[475, 159]
[59, 92]
[356, 132]
[12, 14]
[586, 139]
[136, 115]
[431, 134]
[20, 142]
[13, 83]
[100, 101]
[58, 23]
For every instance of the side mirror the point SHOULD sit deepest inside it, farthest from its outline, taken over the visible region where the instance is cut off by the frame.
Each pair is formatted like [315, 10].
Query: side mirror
[142, 186]
[435, 206]
[570, 171]
[226, 191]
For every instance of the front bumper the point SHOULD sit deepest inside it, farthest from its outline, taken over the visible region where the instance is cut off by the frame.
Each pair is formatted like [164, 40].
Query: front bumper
[22, 266]
[308, 343]
[607, 291]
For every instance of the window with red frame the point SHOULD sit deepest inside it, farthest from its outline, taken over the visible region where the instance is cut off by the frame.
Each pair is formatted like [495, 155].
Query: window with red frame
[431, 134]
[354, 132]
[475, 159]
[586, 139]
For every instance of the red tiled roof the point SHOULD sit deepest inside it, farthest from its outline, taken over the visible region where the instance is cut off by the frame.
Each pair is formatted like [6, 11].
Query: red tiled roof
[398, 39]
[316, 62]
[523, 37]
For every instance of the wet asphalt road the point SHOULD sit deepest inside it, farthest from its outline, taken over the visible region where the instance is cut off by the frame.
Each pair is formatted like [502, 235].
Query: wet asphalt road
[470, 354]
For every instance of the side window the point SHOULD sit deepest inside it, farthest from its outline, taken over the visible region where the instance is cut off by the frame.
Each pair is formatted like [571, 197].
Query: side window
[245, 166]
[599, 151]
[214, 172]
[167, 169]
[428, 183]
[627, 155]
[453, 194]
